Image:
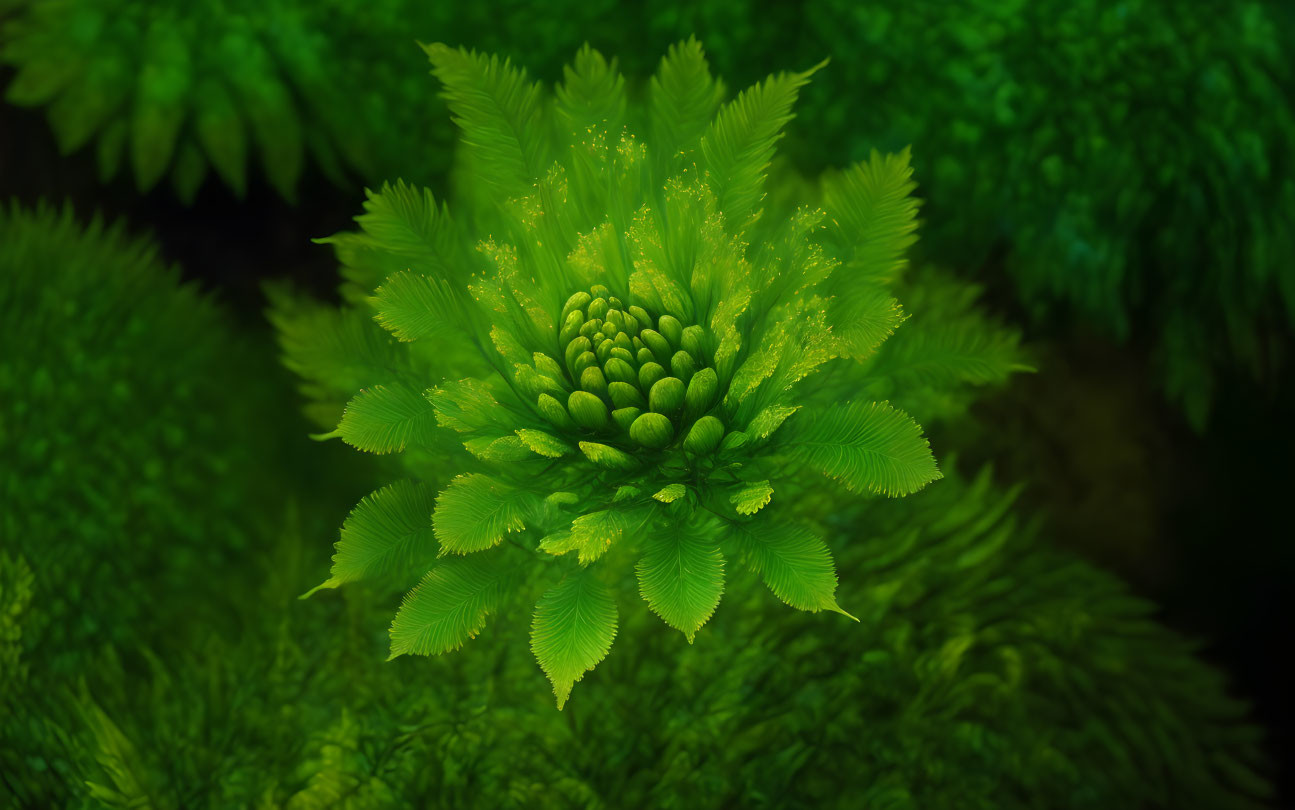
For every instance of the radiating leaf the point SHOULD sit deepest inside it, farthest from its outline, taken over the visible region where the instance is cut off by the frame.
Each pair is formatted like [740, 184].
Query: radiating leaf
[592, 93]
[739, 143]
[867, 446]
[671, 493]
[475, 512]
[388, 532]
[682, 99]
[448, 607]
[873, 215]
[607, 456]
[573, 629]
[387, 419]
[500, 113]
[681, 575]
[793, 561]
[413, 307]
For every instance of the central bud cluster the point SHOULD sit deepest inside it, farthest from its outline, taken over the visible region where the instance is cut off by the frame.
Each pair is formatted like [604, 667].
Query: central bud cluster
[628, 374]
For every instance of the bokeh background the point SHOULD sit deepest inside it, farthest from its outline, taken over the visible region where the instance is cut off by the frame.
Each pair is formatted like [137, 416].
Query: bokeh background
[1120, 176]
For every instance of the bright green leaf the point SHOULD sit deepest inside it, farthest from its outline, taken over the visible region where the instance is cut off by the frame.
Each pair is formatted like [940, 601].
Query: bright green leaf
[751, 498]
[681, 575]
[793, 561]
[573, 629]
[387, 419]
[448, 607]
[475, 512]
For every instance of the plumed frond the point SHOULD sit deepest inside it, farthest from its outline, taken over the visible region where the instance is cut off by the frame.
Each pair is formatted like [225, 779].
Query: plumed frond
[681, 574]
[475, 512]
[404, 222]
[682, 99]
[387, 419]
[500, 113]
[448, 607]
[573, 629]
[867, 446]
[592, 94]
[873, 216]
[739, 143]
[545, 444]
[389, 532]
[792, 560]
[413, 306]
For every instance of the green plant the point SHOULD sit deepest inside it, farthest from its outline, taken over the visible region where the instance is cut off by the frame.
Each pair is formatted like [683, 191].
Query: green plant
[122, 495]
[987, 671]
[1130, 160]
[628, 357]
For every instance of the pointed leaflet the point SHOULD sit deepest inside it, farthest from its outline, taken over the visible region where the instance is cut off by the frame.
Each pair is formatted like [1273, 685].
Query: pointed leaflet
[681, 575]
[865, 445]
[404, 221]
[545, 444]
[413, 306]
[469, 406]
[387, 419]
[864, 315]
[792, 560]
[448, 607]
[873, 217]
[475, 512]
[592, 94]
[591, 535]
[389, 532]
[573, 629]
[739, 143]
[500, 113]
[682, 99]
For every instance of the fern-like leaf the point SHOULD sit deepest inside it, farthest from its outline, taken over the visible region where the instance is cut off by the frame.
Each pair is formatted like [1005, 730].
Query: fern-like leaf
[573, 629]
[500, 113]
[873, 215]
[681, 575]
[592, 94]
[387, 533]
[413, 306]
[867, 446]
[475, 512]
[739, 143]
[449, 607]
[793, 561]
[682, 99]
[387, 419]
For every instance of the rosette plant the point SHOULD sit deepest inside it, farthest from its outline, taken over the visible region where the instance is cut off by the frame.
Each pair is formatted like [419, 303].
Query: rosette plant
[639, 350]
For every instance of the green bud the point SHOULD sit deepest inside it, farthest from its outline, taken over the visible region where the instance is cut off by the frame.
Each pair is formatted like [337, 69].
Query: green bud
[703, 390]
[571, 328]
[622, 341]
[649, 373]
[624, 417]
[599, 291]
[591, 327]
[625, 395]
[640, 314]
[576, 302]
[666, 395]
[597, 308]
[659, 345]
[693, 339]
[576, 348]
[620, 370]
[671, 328]
[704, 436]
[584, 361]
[615, 302]
[593, 381]
[547, 366]
[604, 350]
[683, 365]
[553, 411]
[630, 324]
[617, 317]
[652, 430]
[621, 353]
[587, 410]
[610, 329]
[645, 355]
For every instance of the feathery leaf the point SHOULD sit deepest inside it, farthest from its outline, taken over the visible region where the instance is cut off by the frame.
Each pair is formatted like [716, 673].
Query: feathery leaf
[573, 629]
[475, 512]
[681, 575]
[387, 419]
[448, 607]
[868, 446]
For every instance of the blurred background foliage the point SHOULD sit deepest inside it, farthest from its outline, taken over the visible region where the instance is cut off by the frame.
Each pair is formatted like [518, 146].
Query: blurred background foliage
[1117, 177]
